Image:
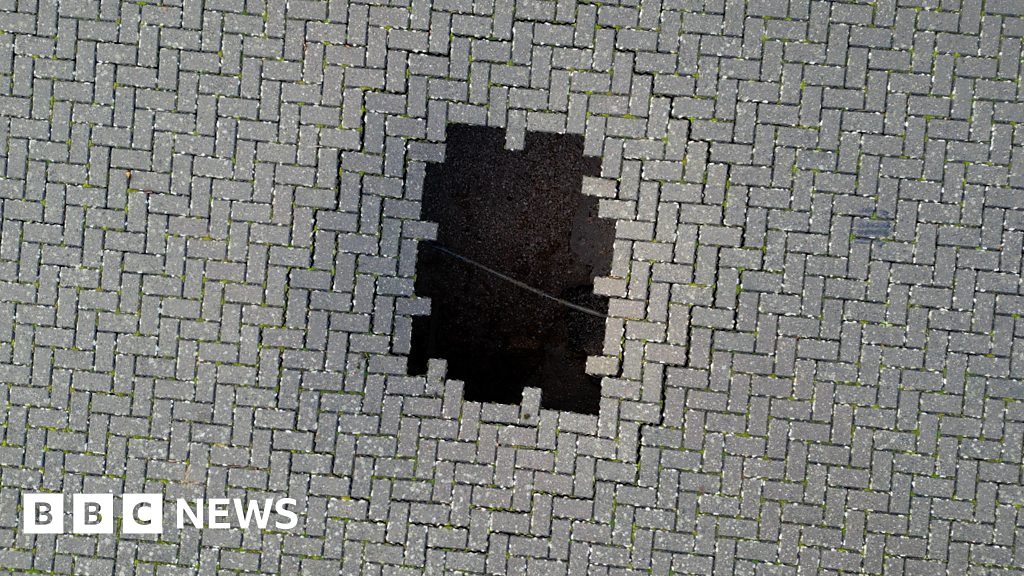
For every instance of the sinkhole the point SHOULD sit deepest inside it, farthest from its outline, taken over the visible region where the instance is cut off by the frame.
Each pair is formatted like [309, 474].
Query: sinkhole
[512, 272]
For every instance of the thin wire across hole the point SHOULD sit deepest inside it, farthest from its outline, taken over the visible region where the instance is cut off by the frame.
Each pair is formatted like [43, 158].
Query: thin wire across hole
[447, 251]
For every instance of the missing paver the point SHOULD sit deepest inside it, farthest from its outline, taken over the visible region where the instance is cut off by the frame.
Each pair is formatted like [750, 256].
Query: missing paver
[520, 215]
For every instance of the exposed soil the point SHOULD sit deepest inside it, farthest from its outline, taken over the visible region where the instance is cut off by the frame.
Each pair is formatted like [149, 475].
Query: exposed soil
[520, 213]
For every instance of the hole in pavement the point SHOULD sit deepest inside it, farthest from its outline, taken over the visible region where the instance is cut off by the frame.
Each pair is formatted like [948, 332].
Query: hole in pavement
[521, 215]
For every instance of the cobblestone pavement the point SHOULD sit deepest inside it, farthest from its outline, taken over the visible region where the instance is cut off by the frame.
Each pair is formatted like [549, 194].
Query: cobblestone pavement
[816, 358]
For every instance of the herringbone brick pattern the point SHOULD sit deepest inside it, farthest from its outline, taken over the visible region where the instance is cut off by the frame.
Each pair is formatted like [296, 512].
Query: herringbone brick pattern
[209, 235]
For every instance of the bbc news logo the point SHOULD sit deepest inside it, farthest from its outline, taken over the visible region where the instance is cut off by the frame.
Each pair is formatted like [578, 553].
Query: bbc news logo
[144, 513]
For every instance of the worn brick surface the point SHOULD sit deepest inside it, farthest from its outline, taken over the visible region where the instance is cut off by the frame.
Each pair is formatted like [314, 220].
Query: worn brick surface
[209, 232]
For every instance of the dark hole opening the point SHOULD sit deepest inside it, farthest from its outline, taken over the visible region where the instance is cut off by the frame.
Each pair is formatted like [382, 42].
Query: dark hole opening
[521, 214]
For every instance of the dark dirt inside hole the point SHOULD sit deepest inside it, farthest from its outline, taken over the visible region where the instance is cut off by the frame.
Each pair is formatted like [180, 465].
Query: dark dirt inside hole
[523, 214]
